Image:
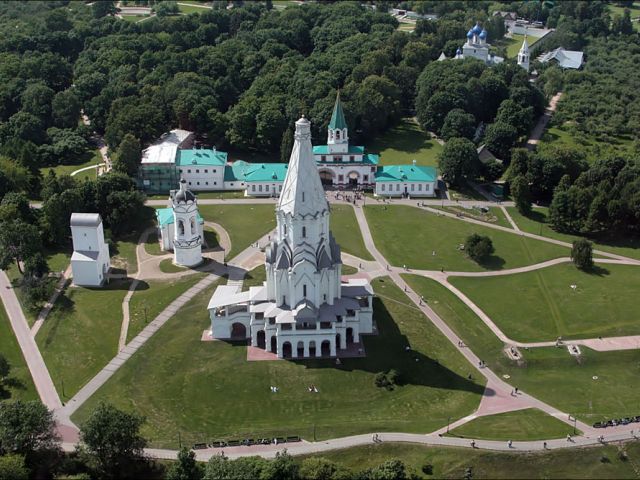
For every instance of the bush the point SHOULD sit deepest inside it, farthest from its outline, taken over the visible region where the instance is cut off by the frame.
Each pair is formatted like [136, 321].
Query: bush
[478, 247]
[388, 379]
[582, 254]
[427, 469]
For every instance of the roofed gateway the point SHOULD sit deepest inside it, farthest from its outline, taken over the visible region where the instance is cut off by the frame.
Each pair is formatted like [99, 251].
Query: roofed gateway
[303, 309]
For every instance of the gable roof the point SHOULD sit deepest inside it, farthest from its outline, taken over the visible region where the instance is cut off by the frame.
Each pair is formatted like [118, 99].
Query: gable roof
[200, 156]
[565, 58]
[337, 118]
[241, 171]
[406, 173]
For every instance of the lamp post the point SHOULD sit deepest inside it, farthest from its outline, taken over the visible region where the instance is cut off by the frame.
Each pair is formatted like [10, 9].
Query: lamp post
[448, 422]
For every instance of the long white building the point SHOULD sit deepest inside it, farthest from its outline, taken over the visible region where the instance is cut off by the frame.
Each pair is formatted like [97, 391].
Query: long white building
[303, 309]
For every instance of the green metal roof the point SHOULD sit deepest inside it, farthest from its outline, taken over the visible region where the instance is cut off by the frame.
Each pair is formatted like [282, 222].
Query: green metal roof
[406, 173]
[199, 156]
[241, 171]
[324, 150]
[164, 216]
[337, 118]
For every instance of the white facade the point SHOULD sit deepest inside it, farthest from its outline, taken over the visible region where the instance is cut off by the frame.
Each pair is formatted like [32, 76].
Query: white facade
[90, 261]
[303, 309]
[405, 188]
[523, 54]
[477, 47]
[187, 236]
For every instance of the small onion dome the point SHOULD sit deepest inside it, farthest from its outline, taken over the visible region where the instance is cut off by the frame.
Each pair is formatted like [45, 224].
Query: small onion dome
[483, 34]
[477, 29]
[459, 51]
[184, 195]
[470, 33]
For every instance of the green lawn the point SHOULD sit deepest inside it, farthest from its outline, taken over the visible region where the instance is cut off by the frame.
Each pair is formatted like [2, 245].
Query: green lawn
[515, 43]
[634, 11]
[152, 245]
[123, 253]
[19, 384]
[592, 147]
[184, 8]
[542, 306]
[205, 402]
[348, 270]
[404, 143]
[521, 425]
[494, 216]
[211, 237]
[209, 195]
[409, 235]
[345, 229]
[151, 297]
[254, 278]
[134, 18]
[80, 335]
[550, 374]
[576, 463]
[94, 159]
[245, 224]
[537, 223]
[167, 266]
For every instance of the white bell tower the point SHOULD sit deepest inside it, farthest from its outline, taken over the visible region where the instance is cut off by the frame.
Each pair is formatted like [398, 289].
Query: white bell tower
[523, 54]
[338, 133]
[187, 239]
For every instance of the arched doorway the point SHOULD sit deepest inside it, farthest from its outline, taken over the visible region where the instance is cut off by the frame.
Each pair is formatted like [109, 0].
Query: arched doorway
[300, 349]
[349, 336]
[238, 331]
[353, 179]
[261, 340]
[337, 340]
[312, 348]
[274, 344]
[325, 348]
[326, 177]
[286, 350]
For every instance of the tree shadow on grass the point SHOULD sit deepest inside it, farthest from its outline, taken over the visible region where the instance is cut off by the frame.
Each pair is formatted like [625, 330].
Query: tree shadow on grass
[597, 270]
[537, 216]
[387, 351]
[492, 262]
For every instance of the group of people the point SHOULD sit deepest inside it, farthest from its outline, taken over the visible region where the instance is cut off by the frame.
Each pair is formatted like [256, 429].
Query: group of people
[312, 388]
[274, 389]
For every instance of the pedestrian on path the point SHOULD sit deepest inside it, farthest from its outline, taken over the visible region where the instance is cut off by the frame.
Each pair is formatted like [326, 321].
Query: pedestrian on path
[516, 390]
[544, 445]
[568, 437]
[473, 444]
[510, 443]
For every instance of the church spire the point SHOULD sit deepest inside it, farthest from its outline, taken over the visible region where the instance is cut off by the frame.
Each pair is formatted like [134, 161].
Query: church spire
[338, 121]
[302, 193]
[523, 54]
[338, 133]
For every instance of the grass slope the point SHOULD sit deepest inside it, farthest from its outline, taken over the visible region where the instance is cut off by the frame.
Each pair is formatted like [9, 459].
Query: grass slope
[81, 334]
[521, 425]
[542, 306]
[254, 278]
[205, 401]
[550, 374]
[494, 216]
[19, 385]
[345, 229]
[408, 235]
[584, 463]
[94, 159]
[244, 223]
[538, 223]
[404, 143]
[150, 298]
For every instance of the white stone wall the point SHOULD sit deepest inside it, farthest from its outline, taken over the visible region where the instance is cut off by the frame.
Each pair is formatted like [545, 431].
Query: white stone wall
[263, 189]
[187, 237]
[397, 189]
[201, 177]
[341, 173]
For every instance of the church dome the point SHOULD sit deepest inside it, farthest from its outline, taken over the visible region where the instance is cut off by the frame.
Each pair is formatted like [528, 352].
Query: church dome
[184, 194]
[483, 34]
[470, 33]
[459, 51]
[477, 29]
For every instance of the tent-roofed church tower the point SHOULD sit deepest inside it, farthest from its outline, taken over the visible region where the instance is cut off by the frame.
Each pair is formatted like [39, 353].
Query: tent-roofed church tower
[338, 133]
[303, 262]
[523, 54]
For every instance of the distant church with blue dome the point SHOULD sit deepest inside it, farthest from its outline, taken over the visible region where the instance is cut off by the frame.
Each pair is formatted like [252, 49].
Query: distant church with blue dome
[476, 47]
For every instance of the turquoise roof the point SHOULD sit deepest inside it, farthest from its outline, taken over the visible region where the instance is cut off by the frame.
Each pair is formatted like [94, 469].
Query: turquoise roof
[337, 118]
[164, 216]
[255, 172]
[200, 156]
[324, 150]
[406, 173]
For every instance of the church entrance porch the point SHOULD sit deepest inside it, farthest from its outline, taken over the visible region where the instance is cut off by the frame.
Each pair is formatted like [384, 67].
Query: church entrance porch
[327, 177]
[238, 331]
[353, 178]
[349, 336]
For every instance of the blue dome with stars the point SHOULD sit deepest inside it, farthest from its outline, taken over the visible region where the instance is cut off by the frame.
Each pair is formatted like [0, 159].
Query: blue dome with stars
[477, 29]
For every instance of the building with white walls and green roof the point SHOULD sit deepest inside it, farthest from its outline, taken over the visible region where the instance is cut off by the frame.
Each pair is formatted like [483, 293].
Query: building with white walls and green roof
[406, 180]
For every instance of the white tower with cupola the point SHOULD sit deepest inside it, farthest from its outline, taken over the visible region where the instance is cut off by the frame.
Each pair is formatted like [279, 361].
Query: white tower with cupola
[187, 238]
[338, 133]
[523, 54]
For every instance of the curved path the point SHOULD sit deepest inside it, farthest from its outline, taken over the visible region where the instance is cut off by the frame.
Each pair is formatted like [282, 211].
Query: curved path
[84, 169]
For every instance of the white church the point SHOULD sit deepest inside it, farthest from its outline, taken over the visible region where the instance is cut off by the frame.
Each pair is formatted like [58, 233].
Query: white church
[476, 46]
[303, 309]
[181, 227]
[90, 262]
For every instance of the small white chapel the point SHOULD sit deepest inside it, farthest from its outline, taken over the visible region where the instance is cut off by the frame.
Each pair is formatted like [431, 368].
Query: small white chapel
[90, 262]
[303, 309]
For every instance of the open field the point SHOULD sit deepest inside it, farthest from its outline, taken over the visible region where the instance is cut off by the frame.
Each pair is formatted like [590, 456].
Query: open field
[345, 229]
[404, 143]
[192, 8]
[537, 223]
[80, 335]
[521, 425]
[514, 43]
[244, 223]
[408, 235]
[244, 406]
[95, 159]
[587, 463]
[123, 253]
[151, 297]
[550, 374]
[19, 384]
[542, 306]
[494, 216]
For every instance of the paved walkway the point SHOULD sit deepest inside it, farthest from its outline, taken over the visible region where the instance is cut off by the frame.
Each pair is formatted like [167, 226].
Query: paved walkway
[538, 130]
[514, 225]
[33, 357]
[84, 169]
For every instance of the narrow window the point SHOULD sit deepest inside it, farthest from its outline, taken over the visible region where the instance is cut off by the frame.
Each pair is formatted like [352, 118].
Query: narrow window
[304, 232]
[304, 291]
[303, 196]
[337, 134]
